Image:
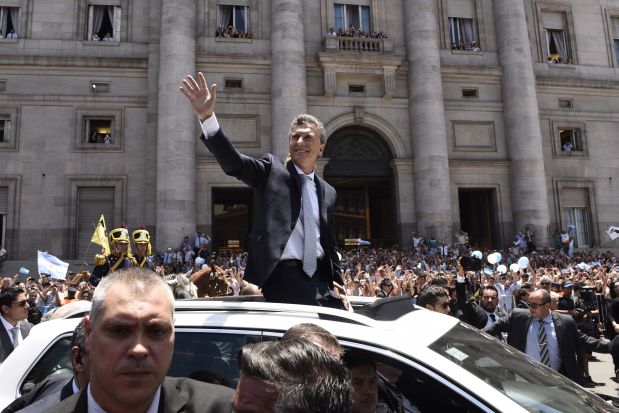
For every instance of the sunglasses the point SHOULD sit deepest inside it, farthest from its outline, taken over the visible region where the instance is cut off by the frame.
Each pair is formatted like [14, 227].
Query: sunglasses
[536, 305]
[21, 303]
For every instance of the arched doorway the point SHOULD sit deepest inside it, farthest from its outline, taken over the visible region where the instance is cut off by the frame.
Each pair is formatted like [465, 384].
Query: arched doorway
[359, 168]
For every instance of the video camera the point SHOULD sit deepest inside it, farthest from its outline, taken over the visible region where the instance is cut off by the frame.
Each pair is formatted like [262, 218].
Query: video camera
[470, 263]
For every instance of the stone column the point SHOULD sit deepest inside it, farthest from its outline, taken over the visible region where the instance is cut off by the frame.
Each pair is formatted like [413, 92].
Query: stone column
[288, 80]
[522, 126]
[150, 192]
[176, 132]
[405, 207]
[427, 121]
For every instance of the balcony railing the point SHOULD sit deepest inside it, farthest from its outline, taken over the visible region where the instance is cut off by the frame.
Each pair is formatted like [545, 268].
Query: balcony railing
[358, 44]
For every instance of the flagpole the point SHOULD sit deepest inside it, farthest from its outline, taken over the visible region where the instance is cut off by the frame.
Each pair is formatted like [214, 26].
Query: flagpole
[85, 264]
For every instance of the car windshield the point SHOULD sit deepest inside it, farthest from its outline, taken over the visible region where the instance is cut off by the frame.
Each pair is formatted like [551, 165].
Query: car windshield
[532, 385]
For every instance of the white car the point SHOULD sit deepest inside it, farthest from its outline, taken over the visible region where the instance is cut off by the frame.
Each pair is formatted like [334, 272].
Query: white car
[444, 365]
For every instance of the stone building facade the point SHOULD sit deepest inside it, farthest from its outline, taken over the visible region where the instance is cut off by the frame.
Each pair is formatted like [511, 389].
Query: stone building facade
[480, 115]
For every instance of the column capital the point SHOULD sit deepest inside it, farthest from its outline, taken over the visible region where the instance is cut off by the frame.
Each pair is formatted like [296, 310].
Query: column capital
[403, 166]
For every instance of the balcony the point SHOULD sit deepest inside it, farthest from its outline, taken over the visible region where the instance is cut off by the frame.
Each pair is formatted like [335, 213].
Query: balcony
[364, 45]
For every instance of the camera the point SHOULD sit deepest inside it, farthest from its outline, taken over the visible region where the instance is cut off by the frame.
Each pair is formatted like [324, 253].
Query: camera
[470, 264]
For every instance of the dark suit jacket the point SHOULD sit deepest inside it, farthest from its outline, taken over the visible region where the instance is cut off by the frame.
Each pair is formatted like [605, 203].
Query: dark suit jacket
[177, 395]
[568, 337]
[6, 346]
[57, 387]
[469, 312]
[277, 205]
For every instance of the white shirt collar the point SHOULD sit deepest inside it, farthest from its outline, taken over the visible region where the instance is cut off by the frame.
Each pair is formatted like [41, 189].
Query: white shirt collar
[300, 172]
[6, 324]
[94, 407]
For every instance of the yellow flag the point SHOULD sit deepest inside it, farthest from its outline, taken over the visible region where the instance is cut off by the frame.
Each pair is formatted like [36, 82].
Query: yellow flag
[100, 236]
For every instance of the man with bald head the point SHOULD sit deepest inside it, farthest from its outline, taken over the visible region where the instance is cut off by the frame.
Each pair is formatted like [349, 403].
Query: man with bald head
[547, 336]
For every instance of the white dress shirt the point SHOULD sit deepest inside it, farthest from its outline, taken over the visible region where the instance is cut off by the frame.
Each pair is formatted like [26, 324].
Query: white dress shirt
[94, 407]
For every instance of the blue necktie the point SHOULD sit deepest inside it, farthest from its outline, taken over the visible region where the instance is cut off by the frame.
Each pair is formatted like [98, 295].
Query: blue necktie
[309, 230]
[543, 344]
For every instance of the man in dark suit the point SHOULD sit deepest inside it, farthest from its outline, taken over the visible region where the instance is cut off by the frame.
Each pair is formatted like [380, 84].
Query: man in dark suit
[130, 341]
[13, 315]
[561, 338]
[292, 249]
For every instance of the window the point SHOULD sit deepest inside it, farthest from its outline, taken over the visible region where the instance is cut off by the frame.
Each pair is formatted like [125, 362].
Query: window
[570, 140]
[577, 207]
[234, 20]
[469, 93]
[356, 88]
[615, 27]
[9, 22]
[463, 34]
[56, 360]
[234, 84]
[99, 87]
[9, 126]
[91, 203]
[577, 217]
[348, 16]
[99, 131]
[566, 103]
[209, 356]
[557, 46]
[104, 23]
[5, 130]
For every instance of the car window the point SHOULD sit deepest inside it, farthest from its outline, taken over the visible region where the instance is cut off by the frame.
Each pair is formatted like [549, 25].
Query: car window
[56, 360]
[535, 387]
[409, 388]
[209, 356]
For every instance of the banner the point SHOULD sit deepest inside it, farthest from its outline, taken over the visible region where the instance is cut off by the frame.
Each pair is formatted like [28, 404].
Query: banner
[100, 237]
[51, 265]
[613, 232]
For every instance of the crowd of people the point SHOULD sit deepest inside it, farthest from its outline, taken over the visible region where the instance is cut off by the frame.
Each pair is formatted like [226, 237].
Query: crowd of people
[232, 33]
[471, 47]
[107, 37]
[448, 278]
[351, 31]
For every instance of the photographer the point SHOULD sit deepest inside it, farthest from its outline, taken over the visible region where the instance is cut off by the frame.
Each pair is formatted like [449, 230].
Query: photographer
[49, 298]
[587, 320]
[469, 311]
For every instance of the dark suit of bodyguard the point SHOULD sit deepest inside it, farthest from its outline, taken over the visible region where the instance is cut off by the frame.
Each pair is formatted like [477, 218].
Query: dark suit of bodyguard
[276, 251]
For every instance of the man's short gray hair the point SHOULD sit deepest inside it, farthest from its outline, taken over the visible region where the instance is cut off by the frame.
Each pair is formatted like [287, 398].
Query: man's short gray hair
[138, 280]
[304, 119]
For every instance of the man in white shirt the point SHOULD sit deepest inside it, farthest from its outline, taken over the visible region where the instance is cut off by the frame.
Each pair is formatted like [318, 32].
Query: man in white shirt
[13, 313]
[292, 249]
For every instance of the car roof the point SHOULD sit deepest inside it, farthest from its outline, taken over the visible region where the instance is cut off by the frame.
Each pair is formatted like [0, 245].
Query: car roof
[280, 317]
